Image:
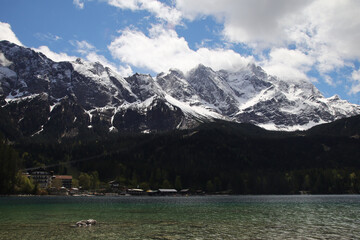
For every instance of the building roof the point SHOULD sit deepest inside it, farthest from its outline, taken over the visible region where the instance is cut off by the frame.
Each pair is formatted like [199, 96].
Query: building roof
[152, 191]
[135, 190]
[41, 172]
[184, 190]
[63, 177]
[114, 182]
[165, 190]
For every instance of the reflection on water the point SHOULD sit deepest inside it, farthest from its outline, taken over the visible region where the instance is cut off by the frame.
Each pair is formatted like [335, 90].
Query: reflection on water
[213, 217]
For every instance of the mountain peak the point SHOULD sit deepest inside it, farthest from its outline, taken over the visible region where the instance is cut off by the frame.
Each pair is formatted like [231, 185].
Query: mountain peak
[334, 98]
[92, 94]
[79, 61]
[201, 67]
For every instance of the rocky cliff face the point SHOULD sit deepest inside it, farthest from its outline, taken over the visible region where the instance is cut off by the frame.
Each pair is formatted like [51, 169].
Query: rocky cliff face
[251, 95]
[64, 99]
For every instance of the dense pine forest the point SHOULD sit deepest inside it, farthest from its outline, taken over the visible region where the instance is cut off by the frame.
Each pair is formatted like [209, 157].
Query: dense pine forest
[219, 157]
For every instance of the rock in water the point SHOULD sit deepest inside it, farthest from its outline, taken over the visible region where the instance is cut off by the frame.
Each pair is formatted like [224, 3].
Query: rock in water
[85, 223]
[90, 222]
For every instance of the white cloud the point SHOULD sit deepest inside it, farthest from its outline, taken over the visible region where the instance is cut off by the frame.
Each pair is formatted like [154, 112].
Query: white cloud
[249, 21]
[89, 52]
[326, 31]
[7, 34]
[79, 4]
[83, 47]
[47, 37]
[125, 4]
[91, 56]
[356, 75]
[288, 64]
[336, 24]
[56, 57]
[356, 79]
[355, 89]
[164, 49]
[159, 9]
[122, 70]
[329, 30]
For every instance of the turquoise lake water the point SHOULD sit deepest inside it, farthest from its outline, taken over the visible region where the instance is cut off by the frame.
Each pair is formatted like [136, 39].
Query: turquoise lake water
[205, 217]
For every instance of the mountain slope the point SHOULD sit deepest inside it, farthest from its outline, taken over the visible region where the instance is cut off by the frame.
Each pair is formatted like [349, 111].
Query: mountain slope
[101, 100]
[251, 95]
[245, 158]
[348, 127]
[65, 99]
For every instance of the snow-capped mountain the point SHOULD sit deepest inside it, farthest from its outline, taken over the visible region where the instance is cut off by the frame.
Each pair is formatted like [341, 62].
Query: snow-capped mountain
[66, 98]
[251, 95]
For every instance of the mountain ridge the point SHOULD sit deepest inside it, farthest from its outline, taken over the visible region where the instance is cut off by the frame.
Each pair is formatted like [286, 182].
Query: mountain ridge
[83, 96]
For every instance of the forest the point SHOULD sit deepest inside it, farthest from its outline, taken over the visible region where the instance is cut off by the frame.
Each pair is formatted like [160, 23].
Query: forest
[218, 157]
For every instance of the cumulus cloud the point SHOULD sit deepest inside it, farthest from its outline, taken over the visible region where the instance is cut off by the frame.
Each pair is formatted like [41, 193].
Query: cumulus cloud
[7, 34]
[79, 4]
[123, 70]
[356, 79]
[336, 24]
[159, 9]
[247, 21]
[89, 52]
[356, 75]
[288, 64]
[329, 31]
[83, 47]
[163, 49]
[326, 31]
[56, 57]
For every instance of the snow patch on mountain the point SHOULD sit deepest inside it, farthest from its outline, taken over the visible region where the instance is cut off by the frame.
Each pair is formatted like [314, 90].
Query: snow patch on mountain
[174, 98]
[197, 111]
[19, 96]
[6, 72]
[4, 61]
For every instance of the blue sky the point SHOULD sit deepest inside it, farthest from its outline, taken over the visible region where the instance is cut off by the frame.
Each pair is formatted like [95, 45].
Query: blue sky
[317, 40]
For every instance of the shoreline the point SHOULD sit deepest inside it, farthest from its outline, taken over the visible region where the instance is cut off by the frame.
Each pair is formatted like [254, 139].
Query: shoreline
[176, 195]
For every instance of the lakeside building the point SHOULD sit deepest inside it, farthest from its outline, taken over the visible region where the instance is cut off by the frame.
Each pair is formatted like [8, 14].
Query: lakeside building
[66, 180]
[165, 191]
[135, 191]
[42, 177]
[184, 191]
[117, 187]
[161, 192]
[114, 185]
[152, 192]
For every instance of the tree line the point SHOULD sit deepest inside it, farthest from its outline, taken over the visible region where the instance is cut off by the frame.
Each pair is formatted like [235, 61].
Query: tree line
[217, 158]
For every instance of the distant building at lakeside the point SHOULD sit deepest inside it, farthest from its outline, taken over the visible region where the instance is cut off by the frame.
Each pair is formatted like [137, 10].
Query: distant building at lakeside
[42, 177]
[114, 185]
[184, 191]
[163, 191]
[66, 180]
[135, 191]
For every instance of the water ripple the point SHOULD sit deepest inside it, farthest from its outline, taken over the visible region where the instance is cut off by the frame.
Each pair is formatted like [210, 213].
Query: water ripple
[213, 217]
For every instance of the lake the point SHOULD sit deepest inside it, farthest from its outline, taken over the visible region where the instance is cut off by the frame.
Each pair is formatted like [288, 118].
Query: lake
[195, 217]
